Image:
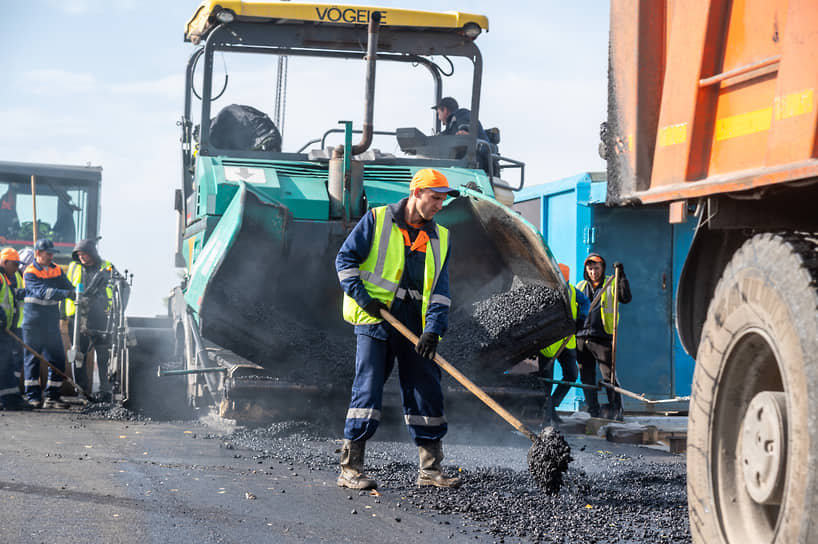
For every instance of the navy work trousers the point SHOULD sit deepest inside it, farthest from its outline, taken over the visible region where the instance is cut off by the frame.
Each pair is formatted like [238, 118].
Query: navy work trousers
[420, 388]
[47, 342]
[8, 364]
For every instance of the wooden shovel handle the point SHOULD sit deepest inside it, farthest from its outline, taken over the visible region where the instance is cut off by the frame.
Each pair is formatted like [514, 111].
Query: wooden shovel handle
[464, 381]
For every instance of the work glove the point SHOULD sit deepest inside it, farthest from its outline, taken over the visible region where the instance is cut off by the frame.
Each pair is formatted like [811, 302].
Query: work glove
[374, 308]
[427, 345]
[621, 268]
[20, 294]
[71, 295]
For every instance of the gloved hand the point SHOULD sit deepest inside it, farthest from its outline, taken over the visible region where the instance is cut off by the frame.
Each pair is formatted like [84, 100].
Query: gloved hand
[620, 266]
[20, 294]
[71, 295]
[427, 345]
[374, 308]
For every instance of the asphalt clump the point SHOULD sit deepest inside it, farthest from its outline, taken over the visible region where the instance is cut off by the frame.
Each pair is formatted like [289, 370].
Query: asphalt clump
[548, 459]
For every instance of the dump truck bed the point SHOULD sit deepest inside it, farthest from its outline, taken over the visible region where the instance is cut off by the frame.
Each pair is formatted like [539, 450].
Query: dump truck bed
[710, 97]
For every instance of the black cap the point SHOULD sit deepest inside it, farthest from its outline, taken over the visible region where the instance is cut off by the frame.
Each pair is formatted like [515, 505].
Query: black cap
[44, 244]
[447, 102]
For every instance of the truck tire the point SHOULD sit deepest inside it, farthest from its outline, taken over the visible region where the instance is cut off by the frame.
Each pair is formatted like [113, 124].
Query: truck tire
[752, 457]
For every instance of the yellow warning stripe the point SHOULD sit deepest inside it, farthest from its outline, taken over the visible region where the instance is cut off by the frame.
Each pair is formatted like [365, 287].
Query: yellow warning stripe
[743, 124]
[673, 134]
[793, 104]
[751, 122]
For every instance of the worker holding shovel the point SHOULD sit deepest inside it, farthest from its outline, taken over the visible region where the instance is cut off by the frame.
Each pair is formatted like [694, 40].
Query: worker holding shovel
[595, 338]
[397, 257]
[46, 286]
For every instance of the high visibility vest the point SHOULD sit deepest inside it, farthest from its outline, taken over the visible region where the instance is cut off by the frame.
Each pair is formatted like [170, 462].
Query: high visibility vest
[382, 269]
[606, 304]
[75, 277]
[552, 350]
[18, 304]
[6, 300]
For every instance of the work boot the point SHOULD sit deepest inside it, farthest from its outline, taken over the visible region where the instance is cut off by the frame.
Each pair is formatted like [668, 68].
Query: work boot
[16, 403]
[430, 473]
[56, 402]
[35, 403]
[352, 466]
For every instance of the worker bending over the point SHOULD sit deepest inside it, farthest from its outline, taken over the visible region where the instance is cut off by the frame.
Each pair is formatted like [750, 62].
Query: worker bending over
[567, 357]
[594, 339]
[397, 258]
[46, 286]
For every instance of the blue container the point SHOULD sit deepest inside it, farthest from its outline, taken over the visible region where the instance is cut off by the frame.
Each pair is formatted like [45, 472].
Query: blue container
[574, 220]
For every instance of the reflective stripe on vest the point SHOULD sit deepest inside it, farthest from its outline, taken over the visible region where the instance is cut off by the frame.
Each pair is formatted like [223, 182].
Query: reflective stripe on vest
[552, 350]
[75, 277]
[19, 303]
[606, 304]
[382, 269]
[6, 299]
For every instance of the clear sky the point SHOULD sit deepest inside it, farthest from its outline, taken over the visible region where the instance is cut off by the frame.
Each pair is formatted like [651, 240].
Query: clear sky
[102, 81]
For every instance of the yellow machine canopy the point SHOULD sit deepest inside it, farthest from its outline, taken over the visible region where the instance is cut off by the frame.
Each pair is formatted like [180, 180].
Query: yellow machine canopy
[212, 12]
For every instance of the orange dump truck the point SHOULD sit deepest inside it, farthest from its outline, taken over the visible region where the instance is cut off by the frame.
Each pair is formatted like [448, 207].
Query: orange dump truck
[712, 110]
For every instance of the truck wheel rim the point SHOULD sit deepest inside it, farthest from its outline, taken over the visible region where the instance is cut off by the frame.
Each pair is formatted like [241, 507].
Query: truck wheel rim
[764, 447]
[751, 371]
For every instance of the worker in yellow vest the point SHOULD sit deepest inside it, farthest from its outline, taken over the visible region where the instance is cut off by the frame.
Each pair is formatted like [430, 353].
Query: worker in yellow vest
[594, 339]
[11, 318]
[567, 357]
[397, 258]
[85, 265]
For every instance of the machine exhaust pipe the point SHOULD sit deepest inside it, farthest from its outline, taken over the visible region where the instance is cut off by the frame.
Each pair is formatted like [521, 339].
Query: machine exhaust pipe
[369, 99]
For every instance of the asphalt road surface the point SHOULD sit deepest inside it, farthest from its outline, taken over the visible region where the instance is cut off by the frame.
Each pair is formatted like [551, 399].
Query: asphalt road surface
[76, 479]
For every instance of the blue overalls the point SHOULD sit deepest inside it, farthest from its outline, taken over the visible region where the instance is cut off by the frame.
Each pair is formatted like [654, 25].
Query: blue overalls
[45, 288]
[379, 344]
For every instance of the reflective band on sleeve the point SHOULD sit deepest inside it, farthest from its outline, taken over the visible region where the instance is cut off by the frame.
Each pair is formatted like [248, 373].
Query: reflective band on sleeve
[440, 299]
[364, 413]
[41, 302]
[424, 421]
[49, 292]
[348, 273]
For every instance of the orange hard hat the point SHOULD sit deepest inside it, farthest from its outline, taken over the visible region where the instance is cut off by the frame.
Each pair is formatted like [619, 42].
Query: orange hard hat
[566, 271]
[428, 178]
[9, 254]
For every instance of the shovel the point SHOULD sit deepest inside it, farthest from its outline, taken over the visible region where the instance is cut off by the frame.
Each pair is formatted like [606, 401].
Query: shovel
[74, 355]
[44, 360]
[549, 455]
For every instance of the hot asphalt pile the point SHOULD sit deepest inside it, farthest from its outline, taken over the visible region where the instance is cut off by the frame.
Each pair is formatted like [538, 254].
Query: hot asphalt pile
[494, 333]
[109, 411]
[605, 498]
